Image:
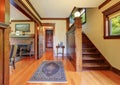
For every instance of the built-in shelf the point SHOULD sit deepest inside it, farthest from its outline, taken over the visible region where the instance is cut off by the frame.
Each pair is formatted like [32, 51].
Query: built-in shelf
[22, 36]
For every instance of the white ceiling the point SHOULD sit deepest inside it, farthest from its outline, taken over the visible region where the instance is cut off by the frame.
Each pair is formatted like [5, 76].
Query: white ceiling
[61, 8]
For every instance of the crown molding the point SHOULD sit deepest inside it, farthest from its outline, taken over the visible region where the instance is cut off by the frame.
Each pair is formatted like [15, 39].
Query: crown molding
[22, 21]
[35, 18]
[53, 18]
[42, 17]
[20, 9]
[33, 8]
[103, 4]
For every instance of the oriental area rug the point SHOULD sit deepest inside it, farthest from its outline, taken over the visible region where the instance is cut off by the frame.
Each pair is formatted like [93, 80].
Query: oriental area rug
[49, 71]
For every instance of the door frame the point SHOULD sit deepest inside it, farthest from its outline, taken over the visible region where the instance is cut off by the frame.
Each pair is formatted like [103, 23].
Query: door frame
[46, 38]
[46, 27]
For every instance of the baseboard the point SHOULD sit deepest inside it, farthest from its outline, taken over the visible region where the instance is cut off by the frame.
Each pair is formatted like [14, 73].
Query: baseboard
[115, 70]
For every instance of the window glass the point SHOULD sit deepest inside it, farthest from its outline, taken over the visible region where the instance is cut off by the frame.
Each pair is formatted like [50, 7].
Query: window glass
[115, 25]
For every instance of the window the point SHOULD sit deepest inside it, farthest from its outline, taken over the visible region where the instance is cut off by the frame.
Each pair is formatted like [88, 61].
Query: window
[115, 26]
[112, 22]
[82, 16]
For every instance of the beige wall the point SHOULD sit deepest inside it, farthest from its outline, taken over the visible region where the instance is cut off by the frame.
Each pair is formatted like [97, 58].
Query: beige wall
[32, 27]
[59, 33]
[15, 14]
[110, 48]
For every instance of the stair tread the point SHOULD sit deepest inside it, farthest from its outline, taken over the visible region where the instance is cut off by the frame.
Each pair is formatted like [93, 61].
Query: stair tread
[88, 48]
[95, 65]
[90, 53]
[92, 58]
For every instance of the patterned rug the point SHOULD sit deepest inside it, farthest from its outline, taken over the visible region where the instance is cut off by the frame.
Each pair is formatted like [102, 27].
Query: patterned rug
[49, 71]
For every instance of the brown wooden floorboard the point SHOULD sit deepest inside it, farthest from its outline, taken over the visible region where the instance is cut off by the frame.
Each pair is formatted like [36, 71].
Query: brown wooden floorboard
[27, 66]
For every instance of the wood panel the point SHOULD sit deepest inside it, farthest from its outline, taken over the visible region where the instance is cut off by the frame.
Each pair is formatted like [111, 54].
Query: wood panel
[104, 3]
[1, 57]
[2, 10]
[49, 38]
[36, 41]
[71, 46]
[6, 56]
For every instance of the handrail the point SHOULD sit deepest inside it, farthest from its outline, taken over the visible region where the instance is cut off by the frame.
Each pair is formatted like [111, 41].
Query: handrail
[3, 25]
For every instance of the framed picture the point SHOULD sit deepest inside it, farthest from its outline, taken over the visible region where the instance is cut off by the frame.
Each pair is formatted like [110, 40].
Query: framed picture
[24, 27]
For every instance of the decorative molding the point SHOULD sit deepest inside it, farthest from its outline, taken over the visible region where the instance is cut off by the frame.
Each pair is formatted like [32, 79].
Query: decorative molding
[53, 18]
[48, 24]
[36, 19]
[112, 9]
[32, 16]
[20, 9]
[113, 69]
[3, 25]
[104, 3]
[28, 2]
[22, 21]
[33, 8]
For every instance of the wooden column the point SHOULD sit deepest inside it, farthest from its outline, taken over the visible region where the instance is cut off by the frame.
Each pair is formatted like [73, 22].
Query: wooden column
[5, 11]
[4, 41]
[36, 41]
[4, 54]
[40, 41]
[78, 43]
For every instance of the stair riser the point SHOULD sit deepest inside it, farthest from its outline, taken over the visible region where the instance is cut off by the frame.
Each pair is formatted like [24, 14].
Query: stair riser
[93, 61]
[92, 58]
[96, 68]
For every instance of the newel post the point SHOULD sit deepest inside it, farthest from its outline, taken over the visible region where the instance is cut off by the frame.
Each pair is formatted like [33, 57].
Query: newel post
[78, 43]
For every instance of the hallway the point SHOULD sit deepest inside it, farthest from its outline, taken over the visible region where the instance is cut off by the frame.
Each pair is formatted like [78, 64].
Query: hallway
[27, 66]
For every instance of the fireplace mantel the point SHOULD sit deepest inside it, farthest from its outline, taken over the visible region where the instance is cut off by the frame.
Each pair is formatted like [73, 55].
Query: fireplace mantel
[22, 36]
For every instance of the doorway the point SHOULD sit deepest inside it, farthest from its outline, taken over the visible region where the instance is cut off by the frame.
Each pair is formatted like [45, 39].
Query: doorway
[49, 38]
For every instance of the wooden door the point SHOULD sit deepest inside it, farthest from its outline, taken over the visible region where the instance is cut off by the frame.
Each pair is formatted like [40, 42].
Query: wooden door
[49, 38]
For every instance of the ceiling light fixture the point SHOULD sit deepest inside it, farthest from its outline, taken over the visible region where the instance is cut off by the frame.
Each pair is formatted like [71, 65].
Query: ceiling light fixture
[77, 14]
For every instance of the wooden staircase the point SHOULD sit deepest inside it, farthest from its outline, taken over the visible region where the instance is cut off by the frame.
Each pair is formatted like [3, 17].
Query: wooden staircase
[92, 58]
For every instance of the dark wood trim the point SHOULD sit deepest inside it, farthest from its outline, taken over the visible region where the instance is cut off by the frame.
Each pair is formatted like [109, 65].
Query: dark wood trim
[3, 25]
[72, 11]
[106, 13]
[33, 8]
[36, 19]
[22, 21]
[67, 24]
[48, 24]
[115, 70]
[112, 9]
[111, 37]
[53, 18]
[20, 9]
[103, 4]
[53, 26]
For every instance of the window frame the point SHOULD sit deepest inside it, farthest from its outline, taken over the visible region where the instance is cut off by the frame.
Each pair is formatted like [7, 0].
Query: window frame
[106, 13]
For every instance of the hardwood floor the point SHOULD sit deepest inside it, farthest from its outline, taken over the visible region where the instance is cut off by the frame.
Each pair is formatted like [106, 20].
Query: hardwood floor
[27, 66]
